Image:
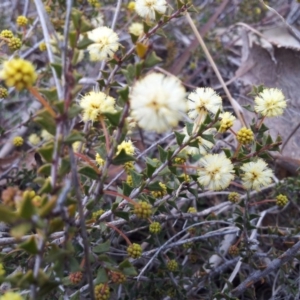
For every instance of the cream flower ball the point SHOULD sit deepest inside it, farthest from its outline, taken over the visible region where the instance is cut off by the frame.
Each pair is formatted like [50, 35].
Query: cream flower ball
[157, 102]
[147, 8]
[106, 43]
[216, 171]
[94, 104]
[270, 103]
[256, 175]
[203, 101]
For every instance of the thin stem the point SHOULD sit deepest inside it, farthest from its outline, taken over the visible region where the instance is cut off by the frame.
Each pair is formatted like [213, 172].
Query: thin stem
[120, 232]
[105, 133]
[38, 96]
[215, 68]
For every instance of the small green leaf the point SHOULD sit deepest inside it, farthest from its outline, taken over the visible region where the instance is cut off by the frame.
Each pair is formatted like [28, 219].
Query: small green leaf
[89, 172]
[124, 93]
[179, 137]
[44, 170]
[127, 268]
[76, 18]
[84, 43]
[122, 158]
[50, 94]
[74, 111]
[152, 60]
[20, 230]
[150, 170]
[30, 246]
[102, 247]
[122, 214]
[73, 39]
[65, 166]
[189, 128]
[113, 118]
[74, 136]
[58, 69]
[136, 178]
[46, 121]
[162, 154]
[26, 209]
[101, 276]
[7, 215]
[146, 27]
[46, 152]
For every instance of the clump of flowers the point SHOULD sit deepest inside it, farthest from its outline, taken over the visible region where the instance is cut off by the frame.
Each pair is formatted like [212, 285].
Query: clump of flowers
[11, 195]
[143, 210]
[155, 227]
[22, 21]
[14, 43]
[234, 250]
[216, 171]
[226, 122]
[99, 160]
[270, 103]
[94, 104]
[256, 175]
[18, 73]
[134, 250]
[43, 46]
[76, 277]
[18, 141]
[34, 139]
[117, 277]
[245, 136]
[147, 8]
[128, 166]
[172, 265]
[157, 102]
[136, 29]
[192, 210]
[94, 3]
[6, 34]
[102, 292]
[11, 296]
[187, 245]
[203, 101]
[129, 180]
[106, 43]
[3, 93]
[234, 197]
[98, 213]
[131, 6]
[127, 146]
[281, 200]
[159, 194]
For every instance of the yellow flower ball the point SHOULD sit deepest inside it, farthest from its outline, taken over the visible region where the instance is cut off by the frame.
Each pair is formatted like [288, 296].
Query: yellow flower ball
[18, 73]
[18, 141]
[245, 136]
[43, 46]
[14, 43]
[3, 93]
[6, 34]
[22, 21]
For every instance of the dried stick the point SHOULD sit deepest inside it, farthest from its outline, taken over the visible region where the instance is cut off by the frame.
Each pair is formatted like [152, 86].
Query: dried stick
[215, 68]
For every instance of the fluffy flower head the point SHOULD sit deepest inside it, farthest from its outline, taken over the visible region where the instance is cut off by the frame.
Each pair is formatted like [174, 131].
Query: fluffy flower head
[203, 101]
[99, 160]
[106, 43]
[226, 122]
[270, 103]
[34, 139]
[256, 175]
[216, 172]
[22, 21]
[19, 73]
[127, 146]
[157, 102]
[94, 104]
[136, 29]
[147, 8]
